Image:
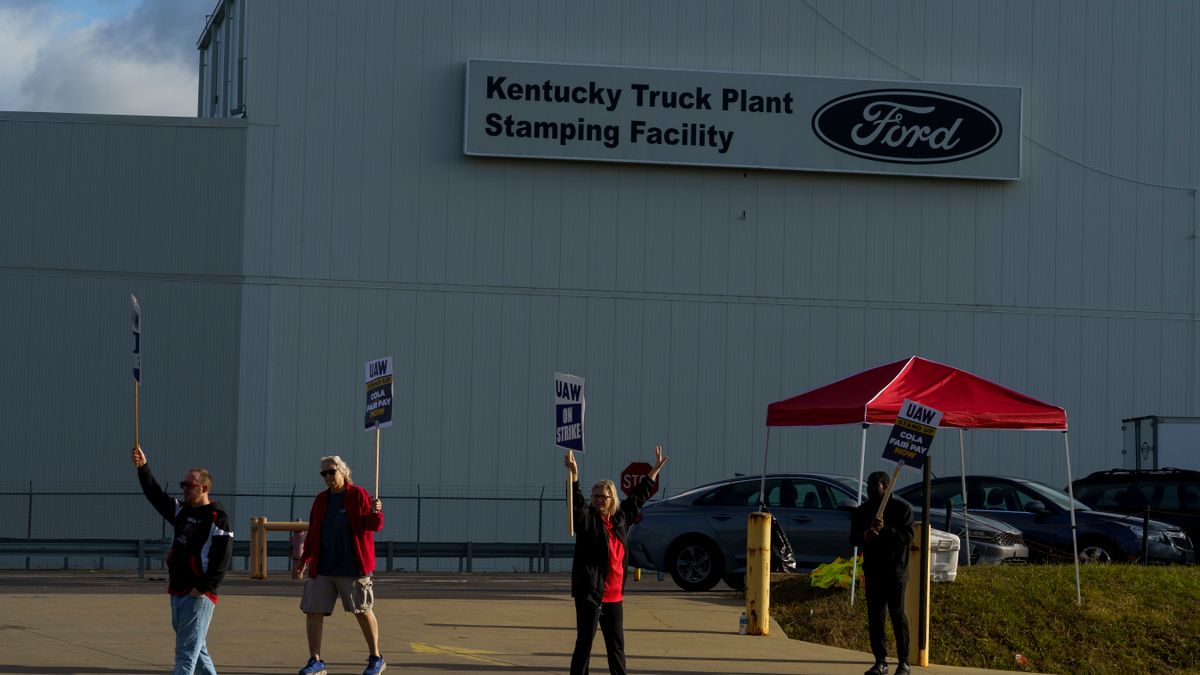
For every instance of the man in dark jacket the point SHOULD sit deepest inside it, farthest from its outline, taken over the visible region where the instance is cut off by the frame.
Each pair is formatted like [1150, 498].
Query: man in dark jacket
[598, 569]
[200, 554]
[884, 543]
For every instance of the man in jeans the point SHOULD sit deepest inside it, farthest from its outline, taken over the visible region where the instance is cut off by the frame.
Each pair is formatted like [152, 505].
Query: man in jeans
[200, 553]
[339, 552]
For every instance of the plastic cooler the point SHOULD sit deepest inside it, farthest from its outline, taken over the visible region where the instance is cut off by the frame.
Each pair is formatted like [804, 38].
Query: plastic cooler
[943, 558]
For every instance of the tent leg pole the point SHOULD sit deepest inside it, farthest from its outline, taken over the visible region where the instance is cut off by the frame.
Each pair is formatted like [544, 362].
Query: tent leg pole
[862, 460]
[962, 463]
[1074, 541]
[762, 485]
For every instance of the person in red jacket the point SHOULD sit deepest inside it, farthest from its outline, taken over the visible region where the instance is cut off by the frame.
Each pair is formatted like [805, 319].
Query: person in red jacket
[339, 553]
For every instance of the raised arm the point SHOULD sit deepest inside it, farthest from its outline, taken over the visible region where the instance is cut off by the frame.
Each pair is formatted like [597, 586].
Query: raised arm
[659, 461]
[641, 492]
[165, 504]
[579, 505]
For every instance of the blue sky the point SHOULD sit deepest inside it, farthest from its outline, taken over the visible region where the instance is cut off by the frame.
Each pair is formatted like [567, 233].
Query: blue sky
[134, 57]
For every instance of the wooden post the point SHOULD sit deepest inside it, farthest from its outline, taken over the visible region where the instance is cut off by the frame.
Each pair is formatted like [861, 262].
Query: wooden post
[758, 573]
[570, 507]
[378, 431]
[888, 493]
[254, 535]
[254, 547]
[262, 545]
[258, 542]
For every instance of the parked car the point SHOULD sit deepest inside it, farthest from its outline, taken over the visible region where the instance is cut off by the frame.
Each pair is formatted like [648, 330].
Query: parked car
[1171, 495]
[699, 536]
[993, 542]
[1043, 515]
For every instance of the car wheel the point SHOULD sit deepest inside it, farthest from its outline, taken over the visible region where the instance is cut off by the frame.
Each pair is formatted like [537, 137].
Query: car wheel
[735, 581]
[695, 565]
[1095, 553]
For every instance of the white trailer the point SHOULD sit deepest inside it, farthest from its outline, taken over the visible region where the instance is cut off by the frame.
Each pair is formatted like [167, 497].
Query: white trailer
[1157, 442]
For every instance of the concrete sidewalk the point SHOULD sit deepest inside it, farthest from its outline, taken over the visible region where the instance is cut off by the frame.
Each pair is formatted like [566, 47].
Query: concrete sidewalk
[113, 623]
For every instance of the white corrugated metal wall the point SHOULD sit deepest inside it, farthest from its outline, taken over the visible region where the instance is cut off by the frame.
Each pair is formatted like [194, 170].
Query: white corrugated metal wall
[371, 234]
[95, 208]
[367, 232]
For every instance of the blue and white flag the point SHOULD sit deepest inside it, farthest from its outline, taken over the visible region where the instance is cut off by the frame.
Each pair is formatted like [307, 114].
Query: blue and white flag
[136, 316]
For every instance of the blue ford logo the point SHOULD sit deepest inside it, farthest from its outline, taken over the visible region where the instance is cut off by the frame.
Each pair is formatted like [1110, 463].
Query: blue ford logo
[907, 126]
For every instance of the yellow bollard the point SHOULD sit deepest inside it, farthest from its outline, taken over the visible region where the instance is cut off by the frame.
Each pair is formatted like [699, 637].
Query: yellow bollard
[758, 574]
[637, 574]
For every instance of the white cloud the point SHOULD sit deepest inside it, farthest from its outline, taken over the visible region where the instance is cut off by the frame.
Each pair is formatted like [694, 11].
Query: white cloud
[24, 33]
[143, 63]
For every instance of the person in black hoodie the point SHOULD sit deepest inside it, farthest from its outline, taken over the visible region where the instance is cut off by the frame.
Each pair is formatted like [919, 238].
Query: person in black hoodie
[884, 543]
[598, 569]
[200, 553]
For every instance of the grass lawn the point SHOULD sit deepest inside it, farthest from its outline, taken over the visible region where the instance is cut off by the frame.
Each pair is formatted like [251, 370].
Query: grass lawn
[1133, 620]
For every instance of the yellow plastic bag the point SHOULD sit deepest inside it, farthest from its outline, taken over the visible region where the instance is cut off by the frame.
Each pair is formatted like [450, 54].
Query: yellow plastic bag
[836, 573]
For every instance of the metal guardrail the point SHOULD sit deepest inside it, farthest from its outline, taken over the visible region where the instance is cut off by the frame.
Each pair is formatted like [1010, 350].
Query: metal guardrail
[467, 551]
[142, 549]
[36, 512]
[147, 550]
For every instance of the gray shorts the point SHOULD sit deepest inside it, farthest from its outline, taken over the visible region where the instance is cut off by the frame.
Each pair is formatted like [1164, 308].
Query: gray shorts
[320, 593]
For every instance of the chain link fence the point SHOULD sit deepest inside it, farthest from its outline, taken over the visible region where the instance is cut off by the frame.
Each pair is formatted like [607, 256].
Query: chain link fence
[410, 518]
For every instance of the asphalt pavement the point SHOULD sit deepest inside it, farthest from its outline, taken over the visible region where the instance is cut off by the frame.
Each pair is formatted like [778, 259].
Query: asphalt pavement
[87, 623]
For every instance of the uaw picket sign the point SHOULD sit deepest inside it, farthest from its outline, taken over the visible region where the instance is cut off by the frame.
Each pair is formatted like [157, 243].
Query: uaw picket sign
[912, 434]
[745, 120]
[379, 393]
[569, 409]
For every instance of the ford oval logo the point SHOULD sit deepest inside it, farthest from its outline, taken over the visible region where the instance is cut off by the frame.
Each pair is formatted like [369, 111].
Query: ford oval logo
[907, 126]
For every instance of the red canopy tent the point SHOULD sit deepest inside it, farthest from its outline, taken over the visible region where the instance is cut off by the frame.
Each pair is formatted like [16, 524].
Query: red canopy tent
[967, 401]
[874, 397]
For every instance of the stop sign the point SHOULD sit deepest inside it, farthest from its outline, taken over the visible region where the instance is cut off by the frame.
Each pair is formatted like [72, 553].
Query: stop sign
[632, 475]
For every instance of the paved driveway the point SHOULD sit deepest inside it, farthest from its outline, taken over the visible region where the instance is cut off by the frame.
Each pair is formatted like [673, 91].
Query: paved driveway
[112, 623]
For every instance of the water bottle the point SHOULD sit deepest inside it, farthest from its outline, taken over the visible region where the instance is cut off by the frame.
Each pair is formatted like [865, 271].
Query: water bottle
[742, 624]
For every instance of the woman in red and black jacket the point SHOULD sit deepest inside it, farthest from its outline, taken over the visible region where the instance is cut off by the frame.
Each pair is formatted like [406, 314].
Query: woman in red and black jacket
[598, 570]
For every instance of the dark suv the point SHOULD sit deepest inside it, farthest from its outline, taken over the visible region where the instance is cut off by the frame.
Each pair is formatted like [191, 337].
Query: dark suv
[1172, 495]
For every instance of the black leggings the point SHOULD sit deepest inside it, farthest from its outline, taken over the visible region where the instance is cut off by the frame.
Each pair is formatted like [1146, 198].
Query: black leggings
[610, 616]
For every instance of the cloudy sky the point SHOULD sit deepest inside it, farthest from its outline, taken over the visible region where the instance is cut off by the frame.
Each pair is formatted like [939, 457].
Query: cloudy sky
[134, 57]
